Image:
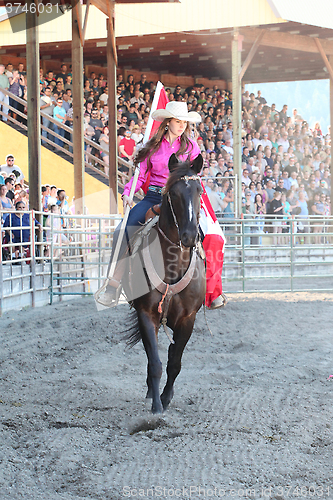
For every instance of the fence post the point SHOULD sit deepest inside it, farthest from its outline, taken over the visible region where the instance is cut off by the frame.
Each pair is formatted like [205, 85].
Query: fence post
[100, 251]
[1, 270]
[33, 258]
[292, 226]
[51, 258]
[243, 252]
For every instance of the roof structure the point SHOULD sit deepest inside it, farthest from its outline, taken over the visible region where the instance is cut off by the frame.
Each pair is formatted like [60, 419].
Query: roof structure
[192, 38]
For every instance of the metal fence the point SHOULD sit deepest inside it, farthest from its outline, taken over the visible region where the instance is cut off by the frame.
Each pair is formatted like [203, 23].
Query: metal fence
[69, 255]
[275, 254]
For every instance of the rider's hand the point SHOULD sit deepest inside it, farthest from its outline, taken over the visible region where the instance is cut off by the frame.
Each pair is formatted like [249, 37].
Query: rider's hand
[127, 201]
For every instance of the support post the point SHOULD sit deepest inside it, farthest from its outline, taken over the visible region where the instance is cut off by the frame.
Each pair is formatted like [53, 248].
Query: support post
[331, 122]
[78, 136]
[237, 114]
[112, 103]
[33, 115]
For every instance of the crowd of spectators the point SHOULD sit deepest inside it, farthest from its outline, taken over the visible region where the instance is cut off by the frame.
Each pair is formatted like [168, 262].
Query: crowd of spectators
[285, 162]
[280, 153]
[15, 218]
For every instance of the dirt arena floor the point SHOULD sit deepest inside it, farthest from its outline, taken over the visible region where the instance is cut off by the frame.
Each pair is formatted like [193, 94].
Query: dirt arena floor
[252, 415]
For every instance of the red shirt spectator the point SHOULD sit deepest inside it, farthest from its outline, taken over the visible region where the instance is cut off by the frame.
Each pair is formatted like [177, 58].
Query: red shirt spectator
[127, 146]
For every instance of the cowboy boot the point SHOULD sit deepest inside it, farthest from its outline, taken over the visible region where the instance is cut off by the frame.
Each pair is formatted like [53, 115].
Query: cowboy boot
[220, 301]
[110, 297]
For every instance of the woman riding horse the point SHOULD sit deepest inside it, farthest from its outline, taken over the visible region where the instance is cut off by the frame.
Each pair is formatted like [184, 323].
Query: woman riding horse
[171, 137]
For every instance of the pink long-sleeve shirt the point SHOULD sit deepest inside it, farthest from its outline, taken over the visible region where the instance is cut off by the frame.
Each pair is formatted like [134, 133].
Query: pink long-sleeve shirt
[159, 164]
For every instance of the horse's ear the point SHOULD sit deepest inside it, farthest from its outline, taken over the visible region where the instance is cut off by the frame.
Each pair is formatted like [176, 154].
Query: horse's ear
[173, 162]
[197, 164]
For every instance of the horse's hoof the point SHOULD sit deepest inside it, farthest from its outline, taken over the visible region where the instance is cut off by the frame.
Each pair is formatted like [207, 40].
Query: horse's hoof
[166, 400]
[157, 408]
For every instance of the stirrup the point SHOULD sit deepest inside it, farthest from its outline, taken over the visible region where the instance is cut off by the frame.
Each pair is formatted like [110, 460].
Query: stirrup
[107, 295]
[220, 301]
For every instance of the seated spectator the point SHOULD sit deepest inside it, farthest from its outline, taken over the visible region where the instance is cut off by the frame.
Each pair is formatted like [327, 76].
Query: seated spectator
[318, 208]
[20, 220]
[104, 142]
[23, 195]
[248, 208]
[97, 124]
[105, 96]
[286, 180]
[10, 183]
[5, 202]
[245, 177]
[45, 196]
[245, 155]
[10, 168]
[59, 114]
[227, 147]
[127, 147]
[218, 204]
[276, 208]
[58, 236]
[280, 186]
[292, 198]
[270, 191]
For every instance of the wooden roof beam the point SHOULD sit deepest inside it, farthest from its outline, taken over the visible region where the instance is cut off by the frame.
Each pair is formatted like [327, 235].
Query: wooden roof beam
[287, 41]
[251, 55]
[79, 27]
[85, 22]
[111, 31]
[101, 5]
[324, 57]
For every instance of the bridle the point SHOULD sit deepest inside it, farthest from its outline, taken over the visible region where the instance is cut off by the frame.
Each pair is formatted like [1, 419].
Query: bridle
[185, 178]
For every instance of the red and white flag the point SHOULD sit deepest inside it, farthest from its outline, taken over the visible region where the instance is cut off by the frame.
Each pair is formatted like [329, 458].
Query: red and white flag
[213, 245]
[159, 102]
[214, 238]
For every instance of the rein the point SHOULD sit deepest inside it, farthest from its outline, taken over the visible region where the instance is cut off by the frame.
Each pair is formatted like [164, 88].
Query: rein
[185, 178]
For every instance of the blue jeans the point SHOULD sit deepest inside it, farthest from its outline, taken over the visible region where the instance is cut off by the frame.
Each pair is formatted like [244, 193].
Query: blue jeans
[59, 131]
[46, 123]
[5, 100]
[135, 219]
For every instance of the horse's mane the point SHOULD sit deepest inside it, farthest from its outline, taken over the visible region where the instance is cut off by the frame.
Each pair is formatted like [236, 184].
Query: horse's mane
[176, 174]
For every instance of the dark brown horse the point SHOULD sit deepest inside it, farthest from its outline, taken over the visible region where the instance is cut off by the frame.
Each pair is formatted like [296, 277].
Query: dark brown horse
[175, 276]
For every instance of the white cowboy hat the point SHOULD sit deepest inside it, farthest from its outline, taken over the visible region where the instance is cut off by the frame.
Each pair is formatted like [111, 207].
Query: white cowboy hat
[178, 110]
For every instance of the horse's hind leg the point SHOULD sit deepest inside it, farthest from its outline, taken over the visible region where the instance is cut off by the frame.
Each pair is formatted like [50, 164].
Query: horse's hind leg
[149, 394]
[182, 334]
[154, 371]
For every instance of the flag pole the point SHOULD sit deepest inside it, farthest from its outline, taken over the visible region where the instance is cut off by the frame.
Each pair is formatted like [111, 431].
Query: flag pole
[115, 257]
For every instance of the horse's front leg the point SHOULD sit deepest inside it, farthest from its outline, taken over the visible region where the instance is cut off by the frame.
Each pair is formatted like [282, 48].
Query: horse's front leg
[154, 371]
[182, 334]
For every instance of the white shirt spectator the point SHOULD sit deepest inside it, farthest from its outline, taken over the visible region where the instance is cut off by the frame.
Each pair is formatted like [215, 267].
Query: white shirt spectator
[246, 179]
[266, 142]
[8, 169]
[283, 141]
[104, 98]
[256, 142]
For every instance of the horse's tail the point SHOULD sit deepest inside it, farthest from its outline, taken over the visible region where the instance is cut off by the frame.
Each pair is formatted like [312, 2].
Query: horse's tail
[133, 334]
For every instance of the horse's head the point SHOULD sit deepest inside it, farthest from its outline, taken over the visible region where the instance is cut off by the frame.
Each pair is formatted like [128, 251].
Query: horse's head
[182, 194]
